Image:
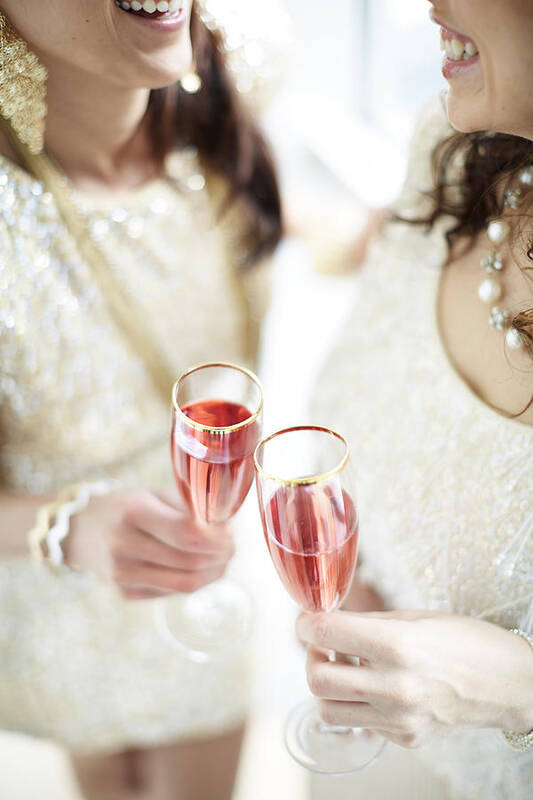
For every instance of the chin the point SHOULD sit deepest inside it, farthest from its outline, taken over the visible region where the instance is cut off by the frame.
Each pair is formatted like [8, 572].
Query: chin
[464, 116]
[469, 116]
[158, 73]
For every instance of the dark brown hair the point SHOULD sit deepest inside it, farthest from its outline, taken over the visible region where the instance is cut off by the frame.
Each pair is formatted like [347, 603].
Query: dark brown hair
[215, 122]
[487, 165]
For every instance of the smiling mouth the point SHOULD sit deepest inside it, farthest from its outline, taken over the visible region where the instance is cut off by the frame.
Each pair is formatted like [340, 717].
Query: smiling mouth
[456, 46]
[151, 8]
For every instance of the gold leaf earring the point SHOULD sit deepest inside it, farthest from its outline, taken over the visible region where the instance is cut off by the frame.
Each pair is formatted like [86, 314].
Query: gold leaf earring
[22, 88]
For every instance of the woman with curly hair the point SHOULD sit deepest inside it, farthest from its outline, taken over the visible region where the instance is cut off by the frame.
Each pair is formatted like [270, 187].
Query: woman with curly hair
[435, 373]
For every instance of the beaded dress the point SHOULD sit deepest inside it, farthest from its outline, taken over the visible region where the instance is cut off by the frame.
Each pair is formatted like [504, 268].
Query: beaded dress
[445, 484]
[77, 663]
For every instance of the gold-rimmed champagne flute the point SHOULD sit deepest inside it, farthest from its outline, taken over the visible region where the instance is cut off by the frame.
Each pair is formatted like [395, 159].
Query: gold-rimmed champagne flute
[216, 423]
[306, 494]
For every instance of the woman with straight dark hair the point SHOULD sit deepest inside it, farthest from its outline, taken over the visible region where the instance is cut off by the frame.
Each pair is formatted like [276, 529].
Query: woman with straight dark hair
[138, 206]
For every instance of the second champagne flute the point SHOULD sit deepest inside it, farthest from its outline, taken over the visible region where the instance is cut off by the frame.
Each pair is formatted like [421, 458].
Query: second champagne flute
[216, 424]
[306, 495]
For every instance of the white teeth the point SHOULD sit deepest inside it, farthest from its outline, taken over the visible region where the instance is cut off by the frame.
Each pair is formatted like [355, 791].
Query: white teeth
[457, 50]
[150, 6]
[450, 51]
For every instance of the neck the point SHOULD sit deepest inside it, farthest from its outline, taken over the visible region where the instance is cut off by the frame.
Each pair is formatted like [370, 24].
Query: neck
[95, 131]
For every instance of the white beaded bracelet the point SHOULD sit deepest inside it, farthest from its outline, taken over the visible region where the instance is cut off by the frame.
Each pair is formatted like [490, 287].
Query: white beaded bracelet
[520, 741]
[61, 527]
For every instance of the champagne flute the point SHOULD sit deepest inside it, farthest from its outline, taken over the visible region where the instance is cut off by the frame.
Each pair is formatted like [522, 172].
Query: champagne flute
[216, 424]
[306, 496]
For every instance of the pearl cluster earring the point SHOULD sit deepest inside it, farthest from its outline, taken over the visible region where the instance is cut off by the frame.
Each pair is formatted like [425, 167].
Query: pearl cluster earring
[490, 289]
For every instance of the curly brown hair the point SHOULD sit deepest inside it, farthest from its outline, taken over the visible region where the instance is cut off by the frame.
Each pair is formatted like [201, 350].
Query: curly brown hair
[488, 162]
[216, 123]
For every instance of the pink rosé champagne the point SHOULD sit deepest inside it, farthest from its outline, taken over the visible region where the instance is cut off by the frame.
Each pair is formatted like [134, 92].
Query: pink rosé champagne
[216, 424]
[214, 469]
[311, 533]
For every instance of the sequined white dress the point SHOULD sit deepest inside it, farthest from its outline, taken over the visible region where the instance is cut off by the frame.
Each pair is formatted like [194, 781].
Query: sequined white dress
[77, 663]
[445, 484]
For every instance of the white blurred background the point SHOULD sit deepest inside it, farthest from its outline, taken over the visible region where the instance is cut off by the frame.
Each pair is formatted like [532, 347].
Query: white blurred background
[359, 71]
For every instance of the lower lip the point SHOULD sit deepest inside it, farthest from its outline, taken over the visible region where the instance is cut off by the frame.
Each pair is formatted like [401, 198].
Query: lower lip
[166, 22]
[455, 69]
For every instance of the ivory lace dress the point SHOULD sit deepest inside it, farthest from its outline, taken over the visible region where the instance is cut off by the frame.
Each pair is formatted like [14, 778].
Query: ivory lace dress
[77, 663]
[445, 484]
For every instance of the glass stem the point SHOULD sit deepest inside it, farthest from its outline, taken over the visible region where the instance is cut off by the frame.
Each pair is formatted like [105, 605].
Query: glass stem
[325, 728]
